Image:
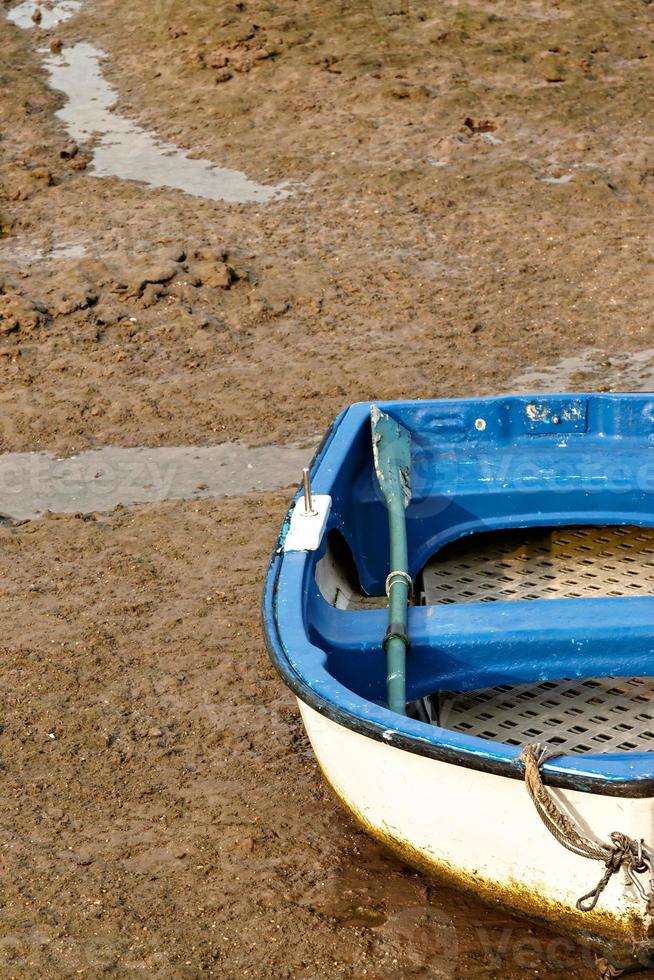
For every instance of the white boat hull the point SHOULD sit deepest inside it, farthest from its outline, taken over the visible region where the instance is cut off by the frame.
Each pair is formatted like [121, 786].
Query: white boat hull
[482, 831]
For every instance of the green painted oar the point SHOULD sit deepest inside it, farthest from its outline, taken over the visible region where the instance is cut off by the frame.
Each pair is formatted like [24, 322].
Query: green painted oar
[391, 446]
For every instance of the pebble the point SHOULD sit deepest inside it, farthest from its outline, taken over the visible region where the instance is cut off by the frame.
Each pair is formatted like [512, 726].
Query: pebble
[69, 151]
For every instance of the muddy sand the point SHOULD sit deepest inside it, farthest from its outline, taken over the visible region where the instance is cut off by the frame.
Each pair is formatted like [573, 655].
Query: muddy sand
[413, 199]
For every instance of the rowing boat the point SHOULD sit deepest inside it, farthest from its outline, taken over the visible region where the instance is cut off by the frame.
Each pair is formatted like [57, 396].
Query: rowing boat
[462, 599]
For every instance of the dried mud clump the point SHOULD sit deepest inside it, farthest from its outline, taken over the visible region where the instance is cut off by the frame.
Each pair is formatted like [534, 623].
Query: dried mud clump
[239, 56]
[176, 272]
[18, 312]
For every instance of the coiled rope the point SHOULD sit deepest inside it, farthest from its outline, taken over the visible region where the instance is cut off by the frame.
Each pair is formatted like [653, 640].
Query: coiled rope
[622, 852]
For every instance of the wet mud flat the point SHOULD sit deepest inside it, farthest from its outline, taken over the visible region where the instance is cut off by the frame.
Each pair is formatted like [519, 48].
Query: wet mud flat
[450, 200]
[420, 250]
[162, 812]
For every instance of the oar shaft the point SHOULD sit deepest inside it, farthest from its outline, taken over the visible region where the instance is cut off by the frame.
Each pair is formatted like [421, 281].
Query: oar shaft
[391, 449]
[397, 610]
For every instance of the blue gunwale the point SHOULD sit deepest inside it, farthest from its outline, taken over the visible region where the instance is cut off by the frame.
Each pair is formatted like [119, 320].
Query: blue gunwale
[312, 644]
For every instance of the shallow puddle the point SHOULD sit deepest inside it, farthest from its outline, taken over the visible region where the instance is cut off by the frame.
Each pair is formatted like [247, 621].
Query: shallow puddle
[51, 14]
[99, 480]
[123, 149]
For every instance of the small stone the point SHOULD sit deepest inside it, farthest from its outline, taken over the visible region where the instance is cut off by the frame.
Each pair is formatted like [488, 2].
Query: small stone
[223, 75]
[37, 16]
[154, 733]
[56, 45]
[69, 151]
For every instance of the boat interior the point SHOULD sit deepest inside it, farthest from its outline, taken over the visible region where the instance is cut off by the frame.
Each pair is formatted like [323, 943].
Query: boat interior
[531, 551]
[524, 700]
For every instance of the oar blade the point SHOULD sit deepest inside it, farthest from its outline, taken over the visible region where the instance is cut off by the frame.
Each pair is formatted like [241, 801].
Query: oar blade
[391, 446]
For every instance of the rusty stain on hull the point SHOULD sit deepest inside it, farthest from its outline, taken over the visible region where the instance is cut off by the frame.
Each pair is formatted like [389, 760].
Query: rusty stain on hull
[625, 941]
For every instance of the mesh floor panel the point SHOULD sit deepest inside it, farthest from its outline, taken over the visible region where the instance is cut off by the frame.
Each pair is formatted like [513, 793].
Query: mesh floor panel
[599, 715]
[595, 715]
[541, 563]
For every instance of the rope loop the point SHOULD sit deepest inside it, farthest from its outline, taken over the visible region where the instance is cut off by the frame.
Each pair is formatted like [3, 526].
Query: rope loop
[622, 853]
[392, 577]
